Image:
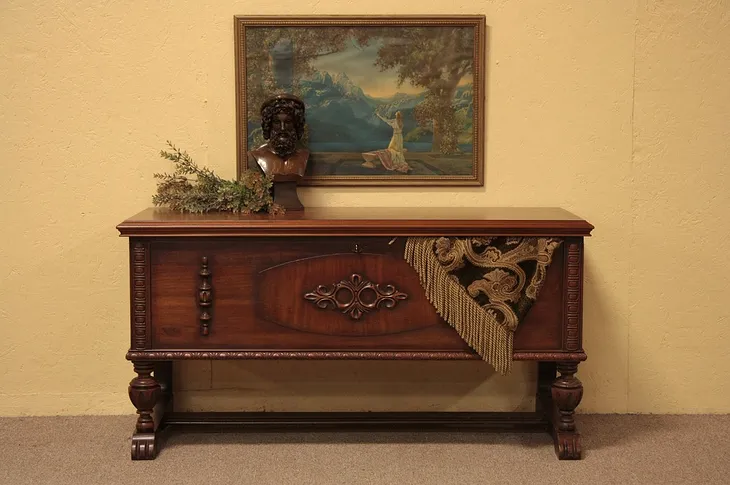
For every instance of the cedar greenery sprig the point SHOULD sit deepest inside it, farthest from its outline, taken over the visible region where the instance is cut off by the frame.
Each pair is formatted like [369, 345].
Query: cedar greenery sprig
[208, 192]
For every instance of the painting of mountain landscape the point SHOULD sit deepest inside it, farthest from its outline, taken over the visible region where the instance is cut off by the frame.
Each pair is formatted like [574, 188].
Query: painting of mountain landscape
[384, 104]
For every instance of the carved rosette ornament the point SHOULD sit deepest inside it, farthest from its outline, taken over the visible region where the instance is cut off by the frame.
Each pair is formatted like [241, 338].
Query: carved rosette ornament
[355, 297]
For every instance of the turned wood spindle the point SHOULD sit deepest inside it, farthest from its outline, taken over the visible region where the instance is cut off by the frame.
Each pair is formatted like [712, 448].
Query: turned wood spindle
[144, 390]
[205, 297]
[567, 392]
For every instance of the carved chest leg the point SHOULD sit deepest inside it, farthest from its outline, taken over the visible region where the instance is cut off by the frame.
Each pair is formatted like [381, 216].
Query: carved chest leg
[566, 392]
[144, 392]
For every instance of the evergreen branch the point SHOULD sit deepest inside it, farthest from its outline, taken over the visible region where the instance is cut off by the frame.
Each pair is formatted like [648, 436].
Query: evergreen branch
[208, 192]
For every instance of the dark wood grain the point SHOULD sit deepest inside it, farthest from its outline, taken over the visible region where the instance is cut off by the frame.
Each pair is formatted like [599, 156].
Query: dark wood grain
[338, 221]
[348, 315]
[542, 327]
[259, 302]
[261, 284]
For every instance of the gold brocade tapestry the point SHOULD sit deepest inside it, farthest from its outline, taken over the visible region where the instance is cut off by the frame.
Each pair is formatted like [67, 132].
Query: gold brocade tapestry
[483, 286]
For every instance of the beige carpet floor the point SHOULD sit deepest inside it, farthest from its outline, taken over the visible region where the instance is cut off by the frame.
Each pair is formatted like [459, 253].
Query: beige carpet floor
[621, 449]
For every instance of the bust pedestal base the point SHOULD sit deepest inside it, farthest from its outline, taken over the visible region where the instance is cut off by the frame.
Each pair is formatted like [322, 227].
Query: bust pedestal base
[285, 194]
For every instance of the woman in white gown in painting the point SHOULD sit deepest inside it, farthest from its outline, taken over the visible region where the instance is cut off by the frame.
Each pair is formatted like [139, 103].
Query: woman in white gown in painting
[392, 157]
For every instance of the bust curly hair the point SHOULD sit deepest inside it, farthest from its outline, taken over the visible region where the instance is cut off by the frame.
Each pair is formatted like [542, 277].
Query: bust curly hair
[286, 103]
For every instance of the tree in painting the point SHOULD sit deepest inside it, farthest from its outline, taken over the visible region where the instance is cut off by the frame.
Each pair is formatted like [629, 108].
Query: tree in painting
[436, 59]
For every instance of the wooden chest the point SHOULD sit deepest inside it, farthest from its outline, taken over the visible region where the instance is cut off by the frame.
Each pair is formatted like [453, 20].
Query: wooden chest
[332, 283]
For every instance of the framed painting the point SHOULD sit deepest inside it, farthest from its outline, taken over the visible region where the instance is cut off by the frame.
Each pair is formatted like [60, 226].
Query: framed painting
[389, 100]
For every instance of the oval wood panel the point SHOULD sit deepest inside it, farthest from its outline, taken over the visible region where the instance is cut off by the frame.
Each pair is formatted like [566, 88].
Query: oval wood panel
[345, 295]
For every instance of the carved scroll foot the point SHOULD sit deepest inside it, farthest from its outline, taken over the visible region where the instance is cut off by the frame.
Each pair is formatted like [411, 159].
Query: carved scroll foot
[144, 392]
[566, 393]
[567, 445]
[144, 446]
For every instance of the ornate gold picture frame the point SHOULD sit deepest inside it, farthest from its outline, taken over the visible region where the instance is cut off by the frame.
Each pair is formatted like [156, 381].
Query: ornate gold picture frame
[389, 100]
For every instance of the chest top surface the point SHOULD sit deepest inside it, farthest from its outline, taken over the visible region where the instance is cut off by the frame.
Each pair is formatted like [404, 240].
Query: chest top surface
[362, 221]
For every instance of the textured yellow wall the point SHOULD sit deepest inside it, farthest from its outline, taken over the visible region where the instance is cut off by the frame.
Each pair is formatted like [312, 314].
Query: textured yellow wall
[618, 111]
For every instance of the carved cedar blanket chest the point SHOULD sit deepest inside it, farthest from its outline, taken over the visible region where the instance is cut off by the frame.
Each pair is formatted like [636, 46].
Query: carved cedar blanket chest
[332, 283]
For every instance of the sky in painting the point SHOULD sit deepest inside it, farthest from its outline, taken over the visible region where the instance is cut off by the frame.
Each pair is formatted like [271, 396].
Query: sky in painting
[359, 65]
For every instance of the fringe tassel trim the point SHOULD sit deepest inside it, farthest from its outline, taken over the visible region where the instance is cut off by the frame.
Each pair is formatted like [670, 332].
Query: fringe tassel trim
[478, 328]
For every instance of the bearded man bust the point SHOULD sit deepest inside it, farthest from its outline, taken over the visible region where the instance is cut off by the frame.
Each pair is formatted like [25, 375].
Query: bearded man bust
[282, 123]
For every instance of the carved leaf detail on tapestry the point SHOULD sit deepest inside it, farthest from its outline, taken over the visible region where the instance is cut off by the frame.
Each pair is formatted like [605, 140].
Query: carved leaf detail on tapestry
[506, 281]
[355, 297]
[545, 249]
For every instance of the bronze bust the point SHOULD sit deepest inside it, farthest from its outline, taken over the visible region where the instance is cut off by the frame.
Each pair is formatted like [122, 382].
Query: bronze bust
[282, 123]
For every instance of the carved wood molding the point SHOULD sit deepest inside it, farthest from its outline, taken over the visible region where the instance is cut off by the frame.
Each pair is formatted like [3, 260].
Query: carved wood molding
[301, 355]
[340, 355]
[356, 296]
[139, 295]
[550, 356]
[573, 300]
[205, 297]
